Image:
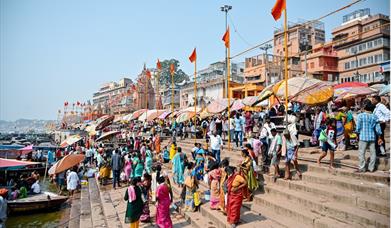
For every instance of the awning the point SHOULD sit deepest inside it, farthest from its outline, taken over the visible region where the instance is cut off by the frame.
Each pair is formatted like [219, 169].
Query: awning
[70, 140]
[5, 163]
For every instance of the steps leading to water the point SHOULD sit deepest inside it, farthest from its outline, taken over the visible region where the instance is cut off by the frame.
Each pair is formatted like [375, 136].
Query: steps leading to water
[324, 198]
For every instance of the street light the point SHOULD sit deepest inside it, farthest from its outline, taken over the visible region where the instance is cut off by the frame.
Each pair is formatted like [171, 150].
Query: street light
[225, 9]
[265, 48]
[356, 77]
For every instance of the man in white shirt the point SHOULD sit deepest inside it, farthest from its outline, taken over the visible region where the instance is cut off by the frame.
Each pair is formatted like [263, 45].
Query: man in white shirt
[216, 144]
[35, 188]
[383, 115]
[266, 135]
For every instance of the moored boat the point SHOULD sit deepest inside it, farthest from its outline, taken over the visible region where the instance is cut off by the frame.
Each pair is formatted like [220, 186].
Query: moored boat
[35, 203]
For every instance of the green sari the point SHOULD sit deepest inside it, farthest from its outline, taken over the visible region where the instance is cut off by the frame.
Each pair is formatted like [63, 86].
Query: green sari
[135, 208]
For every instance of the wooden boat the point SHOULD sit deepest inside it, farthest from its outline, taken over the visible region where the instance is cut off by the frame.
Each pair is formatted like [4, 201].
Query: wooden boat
[39, 202]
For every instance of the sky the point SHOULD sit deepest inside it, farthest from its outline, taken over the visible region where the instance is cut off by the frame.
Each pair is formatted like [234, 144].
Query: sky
[53, 51]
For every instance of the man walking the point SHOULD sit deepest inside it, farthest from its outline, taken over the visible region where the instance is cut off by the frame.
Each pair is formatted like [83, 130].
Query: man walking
[367, 127]
[383, 116]
[116, 167]
[216, 144]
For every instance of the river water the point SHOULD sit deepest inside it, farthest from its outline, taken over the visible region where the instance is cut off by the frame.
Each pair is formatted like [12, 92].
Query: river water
[47, 219]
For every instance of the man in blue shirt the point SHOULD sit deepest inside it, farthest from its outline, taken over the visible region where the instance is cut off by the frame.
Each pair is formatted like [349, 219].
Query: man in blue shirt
[367, 127]
[239, 123]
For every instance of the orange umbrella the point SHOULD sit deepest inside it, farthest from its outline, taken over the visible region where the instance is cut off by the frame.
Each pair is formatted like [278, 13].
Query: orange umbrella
[65, 163]
[107, 135]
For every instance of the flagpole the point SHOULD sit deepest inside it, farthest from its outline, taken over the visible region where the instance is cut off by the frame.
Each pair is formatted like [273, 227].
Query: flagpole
[228, 93]
[195, 100]
[286, 61]
[172, 93]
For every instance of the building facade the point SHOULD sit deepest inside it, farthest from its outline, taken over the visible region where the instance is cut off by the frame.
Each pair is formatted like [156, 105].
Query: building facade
[114, 97]
[321, 63]
[362, 43]
[301, 37]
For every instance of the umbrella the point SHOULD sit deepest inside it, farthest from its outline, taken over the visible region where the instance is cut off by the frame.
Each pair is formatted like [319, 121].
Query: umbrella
[266, 92]
[355, 92]
[137, 113]
[150, 115]
[70, 140]
[26, 150]
[378, 87]
[103, 121]
[237, 105]
[190, 109]
[218, 106]
[185, 116]
[319, 93]
[350, 85]
[5, 163]
[65, 163]
[107, 135]
[164, 115]
[385, 90]
[250, 101]
[204, 114]
[118, 118]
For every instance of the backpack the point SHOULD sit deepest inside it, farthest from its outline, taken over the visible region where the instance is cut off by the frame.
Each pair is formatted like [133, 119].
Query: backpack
[204, 124]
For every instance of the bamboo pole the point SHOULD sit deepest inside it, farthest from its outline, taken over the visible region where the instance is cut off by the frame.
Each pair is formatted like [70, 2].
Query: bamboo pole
[195, 101]
[229, 94]
[286, 62]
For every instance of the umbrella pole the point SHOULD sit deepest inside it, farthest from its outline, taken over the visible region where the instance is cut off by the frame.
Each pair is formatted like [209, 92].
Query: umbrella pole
[46, 170]
[286, 63]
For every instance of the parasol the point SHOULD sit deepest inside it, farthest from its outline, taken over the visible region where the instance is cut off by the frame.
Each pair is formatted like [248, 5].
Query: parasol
[385, 90]
[266, 93]
[237, 105]
[70, 140]
[137, 113]
[26, 150]
[164, 115]
[218, 106]
[5, 163]
[319, 93]
[107, 135]
[250, 101]
[350, 85]
[65, 163]
[150, 115]
[355, 92]
[103, 121]
[185, 116]
[204, 114]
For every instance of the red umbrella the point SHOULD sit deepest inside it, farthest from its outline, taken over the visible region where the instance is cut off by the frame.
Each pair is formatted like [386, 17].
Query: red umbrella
[351, 84]
[5, 163]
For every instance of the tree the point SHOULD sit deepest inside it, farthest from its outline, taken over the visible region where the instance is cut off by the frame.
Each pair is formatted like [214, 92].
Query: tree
[165, 75]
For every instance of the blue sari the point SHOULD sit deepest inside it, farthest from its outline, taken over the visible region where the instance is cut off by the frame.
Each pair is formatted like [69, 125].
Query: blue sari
[178, 168]
[148, 162]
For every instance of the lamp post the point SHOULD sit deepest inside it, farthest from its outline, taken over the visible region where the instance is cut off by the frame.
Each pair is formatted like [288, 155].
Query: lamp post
[265, 48]
[356, 77]
[225, 9]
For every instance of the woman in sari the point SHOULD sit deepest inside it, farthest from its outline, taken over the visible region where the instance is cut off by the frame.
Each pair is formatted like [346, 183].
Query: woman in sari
[138, 166]
[223, 184]
[214, 186]
[134, 203]
[148, 161]
[200, 165]
[189, 187]
[341, 117]
[348, 127]
[146, 191]
[163, 219]
[235, 184]
[247, 171]
[172, 150]
[157, 143]
[128, 167]
[178, 167]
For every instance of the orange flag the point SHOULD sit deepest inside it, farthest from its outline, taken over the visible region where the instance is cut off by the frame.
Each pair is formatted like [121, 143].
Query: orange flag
[172, 68]
[148, 73]
[226, 38]
[278, 8]
[158, 64]
[193, 56]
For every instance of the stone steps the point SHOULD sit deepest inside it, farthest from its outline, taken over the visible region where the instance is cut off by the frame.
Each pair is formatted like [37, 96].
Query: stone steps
[98, 219]
[85, 209]
[74, 217]
[324, 198]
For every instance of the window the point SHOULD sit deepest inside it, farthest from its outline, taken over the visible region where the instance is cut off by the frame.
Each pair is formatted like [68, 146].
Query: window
[375, 43]
[369, 44]
[362, 47]
[386, 56]
[347, 66]
[378, 58]
[353, 49]
[370, 59]
[312, 65]
[380, 41]
[353, 64]
[363, 61]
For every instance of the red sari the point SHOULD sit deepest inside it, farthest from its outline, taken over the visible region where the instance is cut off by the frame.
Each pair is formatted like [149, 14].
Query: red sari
[163, 219]
[235, 199]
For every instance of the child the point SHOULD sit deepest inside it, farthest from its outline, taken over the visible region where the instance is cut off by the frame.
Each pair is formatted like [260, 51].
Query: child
[331, 133]
[166, 155]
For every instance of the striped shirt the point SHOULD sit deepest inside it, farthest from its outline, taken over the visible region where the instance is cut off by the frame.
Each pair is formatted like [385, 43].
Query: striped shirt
[366, 126]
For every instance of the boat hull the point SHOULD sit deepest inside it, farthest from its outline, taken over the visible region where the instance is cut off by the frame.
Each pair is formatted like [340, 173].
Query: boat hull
[35, 205]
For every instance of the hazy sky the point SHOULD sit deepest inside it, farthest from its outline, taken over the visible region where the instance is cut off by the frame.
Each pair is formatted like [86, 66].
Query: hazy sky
[52, 50]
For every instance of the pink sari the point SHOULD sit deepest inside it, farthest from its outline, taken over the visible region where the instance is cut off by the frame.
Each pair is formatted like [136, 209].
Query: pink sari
[163, 219]
[128, 169]
[214, 178]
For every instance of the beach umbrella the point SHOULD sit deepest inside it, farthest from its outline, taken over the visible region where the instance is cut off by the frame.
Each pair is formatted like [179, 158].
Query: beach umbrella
[218, 106]
[103, 122]
[266, 93]
[6, 163]
[385, 90]
[137, 114]
[377, 87]
[185, 116]
[355, 92]
[204, 114]
[70, 140]
[250, 100]
[107, 135]
[65, 163]
[237, 105]
[350, 85]
[190, 109]
[26, 150]
[319, 93]
[150, 115]
[164, 115]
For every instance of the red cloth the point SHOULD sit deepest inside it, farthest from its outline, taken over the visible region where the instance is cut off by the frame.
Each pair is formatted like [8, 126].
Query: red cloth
[234, 202]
